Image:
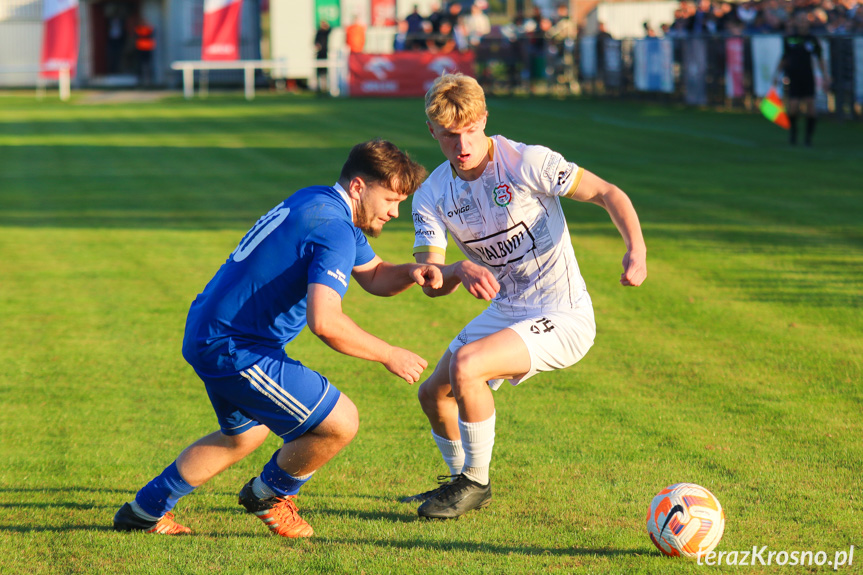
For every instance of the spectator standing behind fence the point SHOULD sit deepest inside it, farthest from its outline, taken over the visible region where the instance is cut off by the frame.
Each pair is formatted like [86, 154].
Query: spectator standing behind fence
[116, 43]
[538, 45]
[453, 13]
[444, 41]
[602, 36]
[649, 32]
[747, 12]
[145, 44]
[322, 40]
[459, 33]
[798, 49]
[476, 24]
[401, 39]
[355, 35]
[727, 21]
[436, 16]
[776, 14]
[416, 30]
[562, 45]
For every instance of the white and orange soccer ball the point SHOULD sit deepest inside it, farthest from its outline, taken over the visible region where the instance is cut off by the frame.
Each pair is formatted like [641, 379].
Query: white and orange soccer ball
[685, 519]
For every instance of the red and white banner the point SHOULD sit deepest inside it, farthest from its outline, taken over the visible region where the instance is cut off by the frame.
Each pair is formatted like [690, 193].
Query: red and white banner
[734, 67]
[402, 73]
[221, 37]
[59, 37]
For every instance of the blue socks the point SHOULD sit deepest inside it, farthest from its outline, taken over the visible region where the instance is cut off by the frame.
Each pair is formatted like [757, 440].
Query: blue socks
[278, 480]
[162, 493]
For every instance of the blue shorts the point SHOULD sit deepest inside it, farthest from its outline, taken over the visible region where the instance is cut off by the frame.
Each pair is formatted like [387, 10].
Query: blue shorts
[279, 392]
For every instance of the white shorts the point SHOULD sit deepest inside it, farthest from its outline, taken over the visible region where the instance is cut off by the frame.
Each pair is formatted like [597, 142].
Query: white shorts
[555, 340]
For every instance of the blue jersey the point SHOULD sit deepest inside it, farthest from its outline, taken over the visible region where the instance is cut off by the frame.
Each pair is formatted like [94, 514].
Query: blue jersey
[256, 303]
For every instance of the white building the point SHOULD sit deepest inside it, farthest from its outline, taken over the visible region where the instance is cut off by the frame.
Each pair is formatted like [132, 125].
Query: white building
[106, 55]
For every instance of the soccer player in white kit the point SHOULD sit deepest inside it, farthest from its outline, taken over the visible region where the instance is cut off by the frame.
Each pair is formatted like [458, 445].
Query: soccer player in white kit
[499, 201]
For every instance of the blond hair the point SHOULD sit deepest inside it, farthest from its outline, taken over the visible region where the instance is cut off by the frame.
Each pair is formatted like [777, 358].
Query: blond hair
[455, 101]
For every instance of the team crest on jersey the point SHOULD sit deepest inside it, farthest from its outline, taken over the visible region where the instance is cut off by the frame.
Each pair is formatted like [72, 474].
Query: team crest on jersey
[502, 195]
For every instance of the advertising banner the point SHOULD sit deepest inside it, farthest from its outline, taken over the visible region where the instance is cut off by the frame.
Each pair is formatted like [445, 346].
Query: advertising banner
[329, 10]
[822, 103]
[221, 37]
[383, 12]
[402, 73]
[59, 37]
[766, 53]
[734, 67]
[587, 57]
[858, 69]
[695, 71]
[653, 65]
[611, 55]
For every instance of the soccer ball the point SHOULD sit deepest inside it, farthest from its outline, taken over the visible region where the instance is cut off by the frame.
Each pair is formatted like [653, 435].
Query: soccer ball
[685, 519]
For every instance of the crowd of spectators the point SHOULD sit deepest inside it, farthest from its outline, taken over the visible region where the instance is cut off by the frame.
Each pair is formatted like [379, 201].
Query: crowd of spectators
[461, 26]
[445, 29]
[826, 17]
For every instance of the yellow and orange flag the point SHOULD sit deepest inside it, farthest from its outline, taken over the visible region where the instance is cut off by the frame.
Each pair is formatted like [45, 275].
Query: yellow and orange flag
[774, 110]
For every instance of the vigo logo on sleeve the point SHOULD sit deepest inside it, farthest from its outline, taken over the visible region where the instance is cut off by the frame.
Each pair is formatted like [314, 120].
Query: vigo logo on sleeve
[502, 248]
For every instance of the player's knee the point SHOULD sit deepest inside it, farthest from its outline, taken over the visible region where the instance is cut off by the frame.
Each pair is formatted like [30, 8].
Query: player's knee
[465, 368]
[423, 394]
[247, 441]
[428, 398]
[432, 393]
[347, 423]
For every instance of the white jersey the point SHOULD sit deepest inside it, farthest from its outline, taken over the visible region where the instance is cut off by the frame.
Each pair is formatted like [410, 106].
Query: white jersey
[510, 221]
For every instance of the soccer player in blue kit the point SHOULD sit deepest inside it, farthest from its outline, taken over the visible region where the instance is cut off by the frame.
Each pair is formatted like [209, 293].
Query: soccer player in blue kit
[290, 270]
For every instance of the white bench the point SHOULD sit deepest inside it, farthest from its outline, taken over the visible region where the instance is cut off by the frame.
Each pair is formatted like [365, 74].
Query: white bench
[64, 81]
[188, 68]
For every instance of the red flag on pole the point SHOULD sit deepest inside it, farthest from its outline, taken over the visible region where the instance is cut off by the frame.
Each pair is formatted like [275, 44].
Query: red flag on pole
[774, 110]
[221, 36]
[59, 37]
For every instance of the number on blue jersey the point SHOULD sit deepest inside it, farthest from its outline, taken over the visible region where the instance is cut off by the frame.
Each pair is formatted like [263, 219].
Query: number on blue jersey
[264, 227]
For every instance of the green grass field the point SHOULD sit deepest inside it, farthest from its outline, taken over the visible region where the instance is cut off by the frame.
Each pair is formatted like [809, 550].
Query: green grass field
[738, 365]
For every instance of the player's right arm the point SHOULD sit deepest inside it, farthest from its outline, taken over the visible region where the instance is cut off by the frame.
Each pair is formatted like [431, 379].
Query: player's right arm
[430, 248]
[479, 281]
[327, 321]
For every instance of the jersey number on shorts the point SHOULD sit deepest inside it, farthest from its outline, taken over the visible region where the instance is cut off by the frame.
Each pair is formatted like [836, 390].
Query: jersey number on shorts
[542, 325]
[259, 231]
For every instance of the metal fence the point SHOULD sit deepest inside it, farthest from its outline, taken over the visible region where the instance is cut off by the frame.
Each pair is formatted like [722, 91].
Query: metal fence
[607, 68]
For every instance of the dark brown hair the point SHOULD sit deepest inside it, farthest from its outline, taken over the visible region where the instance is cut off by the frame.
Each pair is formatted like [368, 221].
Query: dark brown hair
[382, 162]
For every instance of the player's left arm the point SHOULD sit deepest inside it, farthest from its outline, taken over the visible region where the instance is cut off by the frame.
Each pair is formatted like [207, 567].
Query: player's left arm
[591, 188]
[385, 279]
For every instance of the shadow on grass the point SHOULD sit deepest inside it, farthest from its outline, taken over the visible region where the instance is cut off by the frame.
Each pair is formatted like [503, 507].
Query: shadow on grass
[54, 505]
[471, 547]
[52, 490]
[54, 529]
[410, 544]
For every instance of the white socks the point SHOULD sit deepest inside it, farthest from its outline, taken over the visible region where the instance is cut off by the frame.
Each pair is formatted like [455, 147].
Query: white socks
[477, 438]
[453, 454]
[137, 510]
[262, 491]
